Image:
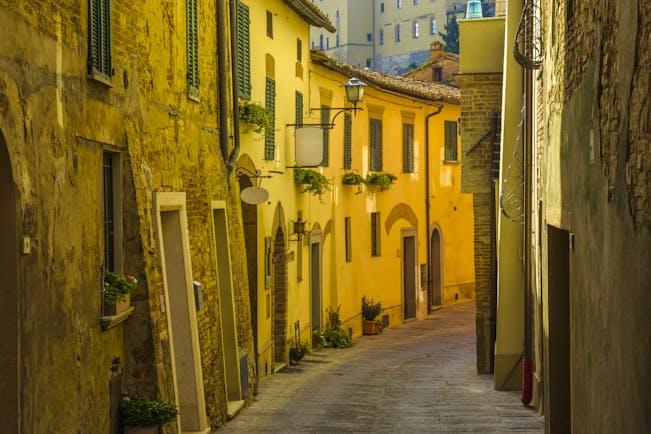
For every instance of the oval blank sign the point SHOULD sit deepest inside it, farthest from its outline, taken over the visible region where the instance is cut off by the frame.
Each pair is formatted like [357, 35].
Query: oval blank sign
[254, 195]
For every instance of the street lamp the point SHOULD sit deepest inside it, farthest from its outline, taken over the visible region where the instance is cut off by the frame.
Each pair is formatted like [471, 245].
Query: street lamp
[354, 91]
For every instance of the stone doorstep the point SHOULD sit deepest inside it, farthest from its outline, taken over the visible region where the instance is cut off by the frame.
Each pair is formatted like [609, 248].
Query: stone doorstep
[233, 407]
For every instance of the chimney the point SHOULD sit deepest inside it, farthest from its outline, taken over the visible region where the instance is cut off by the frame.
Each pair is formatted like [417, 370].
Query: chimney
[436, 49]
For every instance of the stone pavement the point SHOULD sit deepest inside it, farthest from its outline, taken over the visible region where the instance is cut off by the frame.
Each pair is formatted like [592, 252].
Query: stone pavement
[417, 377]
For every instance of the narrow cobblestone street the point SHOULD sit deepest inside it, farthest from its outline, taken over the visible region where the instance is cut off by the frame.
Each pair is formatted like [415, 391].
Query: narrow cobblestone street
[413, 378]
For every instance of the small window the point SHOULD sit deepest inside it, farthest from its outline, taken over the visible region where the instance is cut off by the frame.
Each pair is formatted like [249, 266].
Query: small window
[348, 139]
[451, 141]
[398, 36]
[99, 39]
[320, 42]
[349, 246]
[415, 2]
[270, 24]
[438, 74]
[368, 62]
[399, 4]
[407, 148]
[299, 50]
[369, 37]
[325, 120]
[381, 8]
[375, 234]
[432, 27]
[375, 145]
[112, 215]
[337, 40]
[299, 108]
[381, 33]
[192, 48]
[270, 133]
[416, 29]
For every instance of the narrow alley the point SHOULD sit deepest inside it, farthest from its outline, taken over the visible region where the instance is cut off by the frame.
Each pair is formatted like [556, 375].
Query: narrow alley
[413, 378]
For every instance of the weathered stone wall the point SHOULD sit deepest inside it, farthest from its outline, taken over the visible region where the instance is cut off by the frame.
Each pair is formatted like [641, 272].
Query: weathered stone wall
[57, 122]
[595, 170]
[481, 94]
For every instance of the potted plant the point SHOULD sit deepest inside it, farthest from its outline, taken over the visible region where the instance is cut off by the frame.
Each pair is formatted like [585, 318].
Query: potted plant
[297, 351]
[370, 311]
[255, 117]
[312, 181]
[145, 416]
[379, 181]
[352, 178]
[117, 288]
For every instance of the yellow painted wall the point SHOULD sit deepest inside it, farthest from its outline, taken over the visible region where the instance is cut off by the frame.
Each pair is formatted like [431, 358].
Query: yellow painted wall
[483, 44]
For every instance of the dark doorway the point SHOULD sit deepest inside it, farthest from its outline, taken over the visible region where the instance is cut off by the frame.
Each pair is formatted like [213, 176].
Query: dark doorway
[9, 360]
[436, 270]
[409, 275]
[250, 220]
[280, 300]
[557, 398]
[315, 280]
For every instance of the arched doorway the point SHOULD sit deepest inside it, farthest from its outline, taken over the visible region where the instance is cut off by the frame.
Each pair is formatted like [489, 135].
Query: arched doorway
[9, 358]
[436, 268]
[280, 300]
[250, 221]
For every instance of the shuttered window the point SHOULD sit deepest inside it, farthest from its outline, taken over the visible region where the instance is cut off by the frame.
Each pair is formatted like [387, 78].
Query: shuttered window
[451, 141]
[299, 108]
[299, 50]
[243, 51]
[349, 245]
[99, 38]
[348, 138]
[407, 148]
[270, 104]
[375, 234]
[192, 48]
[270, 24]
[325, 119]
[375, 143]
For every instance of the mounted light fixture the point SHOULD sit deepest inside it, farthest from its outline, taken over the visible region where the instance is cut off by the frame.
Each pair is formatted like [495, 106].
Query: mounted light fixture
[298, 228]
[354, 89]
[254, 194]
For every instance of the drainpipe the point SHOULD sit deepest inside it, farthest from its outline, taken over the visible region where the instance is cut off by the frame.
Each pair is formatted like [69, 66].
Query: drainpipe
[222, 74]
[236, 109]
[430, 294]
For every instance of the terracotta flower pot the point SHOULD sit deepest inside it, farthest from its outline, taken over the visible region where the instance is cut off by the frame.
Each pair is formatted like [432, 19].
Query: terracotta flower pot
[370, 327]
[117, 308]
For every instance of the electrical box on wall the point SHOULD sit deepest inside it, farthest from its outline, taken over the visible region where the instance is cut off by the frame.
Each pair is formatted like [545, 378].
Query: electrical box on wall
[198, 295]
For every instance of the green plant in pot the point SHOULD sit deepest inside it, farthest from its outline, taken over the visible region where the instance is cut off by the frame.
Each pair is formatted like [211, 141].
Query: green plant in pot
[379, 181]
[117, 287]
[370, 312]
[312, 181]
[255, 117]
[142, 415]
[352, 178]
[297, 351]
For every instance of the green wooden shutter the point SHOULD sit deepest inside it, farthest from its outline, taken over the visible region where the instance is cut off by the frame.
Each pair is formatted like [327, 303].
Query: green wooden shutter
[325, 119]
[299, 108]
[192, 48]
[375, 160]
[407, 148]
[348, 138]
[243, 51]
[270, 104]
[451, 141]
[348, 240]
[99, 38]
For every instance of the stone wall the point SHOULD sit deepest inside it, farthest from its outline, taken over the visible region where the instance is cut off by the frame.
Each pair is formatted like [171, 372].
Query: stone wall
[481, 95]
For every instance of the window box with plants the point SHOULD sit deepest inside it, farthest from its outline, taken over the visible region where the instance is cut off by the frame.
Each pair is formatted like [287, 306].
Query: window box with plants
[376, 181]
[116, 298]
[371, 324]
[144, 415]
[255, 117]
[352, 178]
[311, 181]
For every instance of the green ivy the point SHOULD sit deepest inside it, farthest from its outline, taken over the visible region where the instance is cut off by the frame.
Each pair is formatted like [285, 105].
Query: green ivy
[257, 117]
[144, 412]
[312, 181]
[352, 178]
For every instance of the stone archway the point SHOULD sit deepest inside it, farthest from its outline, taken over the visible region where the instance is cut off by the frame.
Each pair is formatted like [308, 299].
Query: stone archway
[280, 300]
[9, 356]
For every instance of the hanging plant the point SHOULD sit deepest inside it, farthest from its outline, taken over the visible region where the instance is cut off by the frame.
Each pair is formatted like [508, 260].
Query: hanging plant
[255, 117]
[312, 181]
[379, 181]
[352, 178]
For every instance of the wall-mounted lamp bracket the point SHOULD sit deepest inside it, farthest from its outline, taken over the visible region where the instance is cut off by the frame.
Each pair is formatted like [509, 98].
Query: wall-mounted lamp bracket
[243, 171]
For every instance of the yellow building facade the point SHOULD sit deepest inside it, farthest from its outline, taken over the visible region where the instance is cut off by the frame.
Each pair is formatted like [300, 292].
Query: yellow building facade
[300, 277]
